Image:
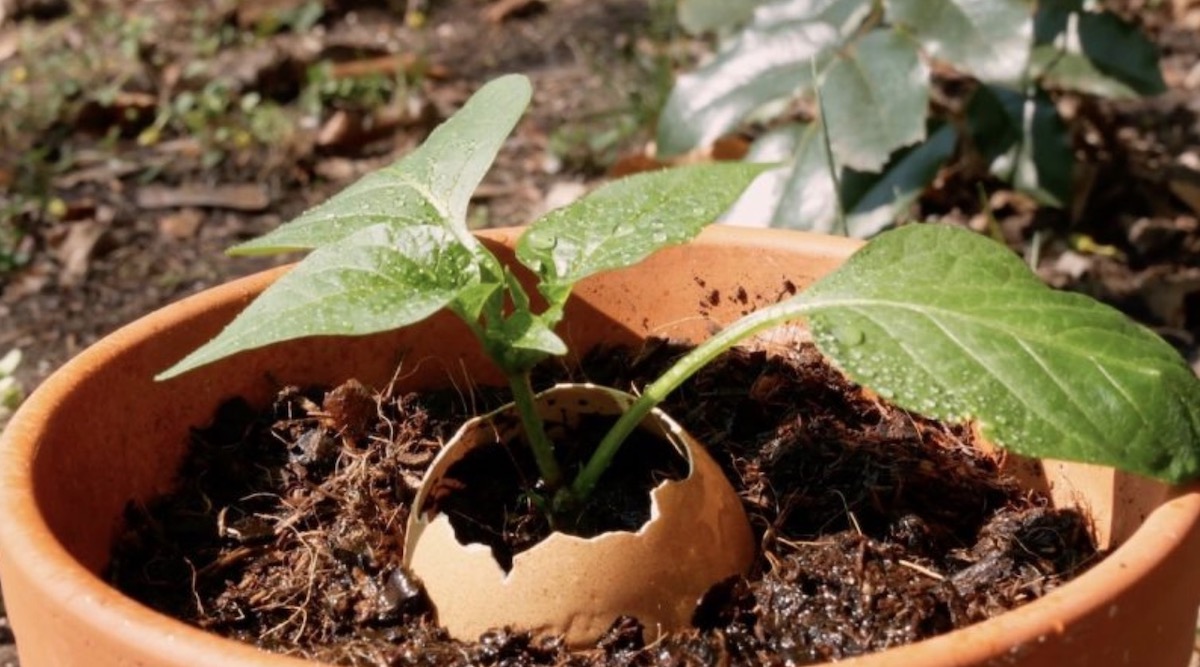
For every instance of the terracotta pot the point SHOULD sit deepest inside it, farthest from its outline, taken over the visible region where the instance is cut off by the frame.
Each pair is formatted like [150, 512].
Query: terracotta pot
[696, 537]
[100, 432]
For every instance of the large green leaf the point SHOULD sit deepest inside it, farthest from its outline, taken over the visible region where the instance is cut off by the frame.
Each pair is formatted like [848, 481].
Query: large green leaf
[623, 222]
[773, 58]
[376, 279]
[953, 325]
[430, 186]
[987, 38]
[874, 99]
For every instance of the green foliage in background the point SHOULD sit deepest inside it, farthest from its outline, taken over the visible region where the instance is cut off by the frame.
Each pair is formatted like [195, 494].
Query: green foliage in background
[868, 63]
[11, 391]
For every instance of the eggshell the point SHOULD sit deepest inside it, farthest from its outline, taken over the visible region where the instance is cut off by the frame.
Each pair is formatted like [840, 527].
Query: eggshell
[697, 536]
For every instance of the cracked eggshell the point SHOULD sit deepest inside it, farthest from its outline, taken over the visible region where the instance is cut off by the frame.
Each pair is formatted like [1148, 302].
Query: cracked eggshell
[697, 536]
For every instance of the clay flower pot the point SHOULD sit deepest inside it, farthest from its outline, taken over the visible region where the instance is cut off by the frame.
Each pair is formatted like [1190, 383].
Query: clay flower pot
[696, 537]
[101, 432]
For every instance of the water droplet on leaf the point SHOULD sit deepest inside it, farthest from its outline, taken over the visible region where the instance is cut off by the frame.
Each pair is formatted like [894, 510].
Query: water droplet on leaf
[848, 335]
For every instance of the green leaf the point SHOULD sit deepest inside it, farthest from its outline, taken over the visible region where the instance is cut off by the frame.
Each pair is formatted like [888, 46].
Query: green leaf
[994, 120]
[1050, 19]
[377, 279]
[527, 339]
[698, 16]
[875, 202]
[1075, 72]
[986, 38]
[875, 97]
[952, 325]
[1093, 53]
[801, 194]
[430, 186]
[11, 391]
[1026, 141]
[623, 222]
[771, 59]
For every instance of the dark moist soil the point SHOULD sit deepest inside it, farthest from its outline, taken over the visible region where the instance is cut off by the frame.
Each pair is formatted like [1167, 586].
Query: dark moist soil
[876, 527]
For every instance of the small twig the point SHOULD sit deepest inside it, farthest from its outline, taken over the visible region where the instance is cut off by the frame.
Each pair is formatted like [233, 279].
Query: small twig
[922, 569]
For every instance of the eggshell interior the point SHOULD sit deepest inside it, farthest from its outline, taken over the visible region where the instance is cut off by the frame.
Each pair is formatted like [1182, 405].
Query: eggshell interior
[697, 536]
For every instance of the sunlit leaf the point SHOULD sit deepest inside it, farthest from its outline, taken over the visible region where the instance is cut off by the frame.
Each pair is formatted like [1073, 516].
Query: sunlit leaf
[953, 325]
[760, 201]
[623, 222]
[875, 98]
[987, 38]
[772, 58]
[430, 186]
[876, 201]
[800, 195]
[377, 279]
[697, 16]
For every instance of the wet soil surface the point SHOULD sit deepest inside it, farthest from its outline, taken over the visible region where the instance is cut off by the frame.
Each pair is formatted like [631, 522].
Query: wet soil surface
[875, 527]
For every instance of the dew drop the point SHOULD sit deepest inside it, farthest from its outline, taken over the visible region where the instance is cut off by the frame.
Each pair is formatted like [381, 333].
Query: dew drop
[848, 335]
[541, 243]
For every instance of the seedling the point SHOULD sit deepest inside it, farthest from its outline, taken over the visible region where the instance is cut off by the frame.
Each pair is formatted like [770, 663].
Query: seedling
[938, 319]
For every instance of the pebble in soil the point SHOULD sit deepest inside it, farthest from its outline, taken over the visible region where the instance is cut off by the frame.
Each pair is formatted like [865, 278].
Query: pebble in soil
[877, 527]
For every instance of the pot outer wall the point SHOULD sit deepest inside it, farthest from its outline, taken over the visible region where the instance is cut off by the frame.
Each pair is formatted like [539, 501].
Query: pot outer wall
[100, 433]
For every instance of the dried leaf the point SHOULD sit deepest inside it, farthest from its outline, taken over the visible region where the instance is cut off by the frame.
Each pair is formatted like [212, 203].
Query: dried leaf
[182, 225]
[504, 10]
[1188, 191]
[402, 63]
[239, 197]
[75, 251]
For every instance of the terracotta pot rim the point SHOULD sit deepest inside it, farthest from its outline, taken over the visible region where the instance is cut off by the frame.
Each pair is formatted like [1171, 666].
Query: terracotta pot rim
[24, 531]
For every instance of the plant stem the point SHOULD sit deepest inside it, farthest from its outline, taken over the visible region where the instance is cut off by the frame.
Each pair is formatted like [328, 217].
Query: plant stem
[668, 382]
[535, 431]
[841, 226]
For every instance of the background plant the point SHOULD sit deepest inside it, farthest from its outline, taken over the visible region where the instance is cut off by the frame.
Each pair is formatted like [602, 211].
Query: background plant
[11, 391]
[875, 143]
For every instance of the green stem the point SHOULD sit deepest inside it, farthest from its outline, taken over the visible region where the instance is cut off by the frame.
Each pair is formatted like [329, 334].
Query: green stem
[654, 394]
[535, 431]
